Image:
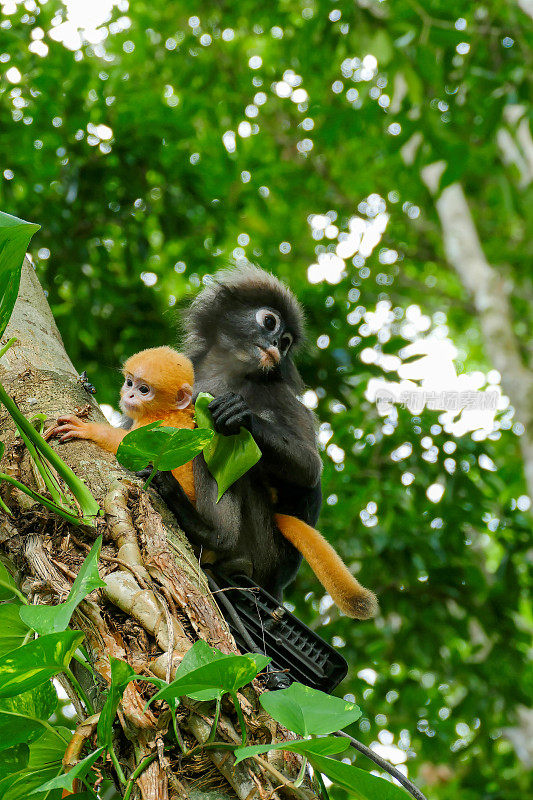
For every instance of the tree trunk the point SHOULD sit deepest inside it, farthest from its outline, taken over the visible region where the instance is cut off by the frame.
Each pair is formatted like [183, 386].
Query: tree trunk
[156, 603]
[490, 294]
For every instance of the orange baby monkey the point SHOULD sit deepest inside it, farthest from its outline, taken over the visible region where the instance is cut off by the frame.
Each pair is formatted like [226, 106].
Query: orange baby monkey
[158, 386]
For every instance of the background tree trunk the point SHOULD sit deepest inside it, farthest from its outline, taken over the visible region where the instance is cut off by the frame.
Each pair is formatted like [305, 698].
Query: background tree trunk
[490, 293]
[157, 601]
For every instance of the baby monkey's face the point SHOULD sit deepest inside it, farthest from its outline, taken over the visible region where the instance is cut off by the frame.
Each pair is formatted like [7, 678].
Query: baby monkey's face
[135, 396]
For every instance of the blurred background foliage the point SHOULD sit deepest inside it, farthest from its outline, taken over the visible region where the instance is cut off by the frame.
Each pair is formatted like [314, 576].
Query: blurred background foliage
[156, 142]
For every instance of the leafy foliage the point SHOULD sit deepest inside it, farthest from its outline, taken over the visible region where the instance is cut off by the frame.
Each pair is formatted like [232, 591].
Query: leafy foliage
[121, 675]
[360, 784]
[15, 235]
[309, 711]
[166, 448]
[44, 764]
[66, 781]
[7, 584]
[13, 630]
[36, 662]
[228, 458]
[46, 619]
[23, 717]
[326, 746]
[142, 176]
[224, 674]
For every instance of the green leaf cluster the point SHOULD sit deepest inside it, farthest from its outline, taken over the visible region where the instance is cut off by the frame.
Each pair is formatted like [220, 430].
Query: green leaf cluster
[132, 224]
[15, 235]
[31, 747]
[228, 458]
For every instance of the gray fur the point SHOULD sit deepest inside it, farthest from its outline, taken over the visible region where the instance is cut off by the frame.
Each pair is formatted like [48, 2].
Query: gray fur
[222, 343]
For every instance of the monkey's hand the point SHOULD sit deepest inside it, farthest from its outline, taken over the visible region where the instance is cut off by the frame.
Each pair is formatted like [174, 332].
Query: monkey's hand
[71, 427]
[105, 436]
[230, 413]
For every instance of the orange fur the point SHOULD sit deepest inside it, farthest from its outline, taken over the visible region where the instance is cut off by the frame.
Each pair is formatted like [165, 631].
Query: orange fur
[167, 372]
[345, 591]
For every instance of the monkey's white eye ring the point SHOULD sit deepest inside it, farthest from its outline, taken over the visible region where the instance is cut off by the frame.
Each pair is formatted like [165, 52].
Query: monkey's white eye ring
[144, 389]
[268, 320]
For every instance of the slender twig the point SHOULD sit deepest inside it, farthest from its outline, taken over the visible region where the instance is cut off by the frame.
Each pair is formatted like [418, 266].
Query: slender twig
[366, 751]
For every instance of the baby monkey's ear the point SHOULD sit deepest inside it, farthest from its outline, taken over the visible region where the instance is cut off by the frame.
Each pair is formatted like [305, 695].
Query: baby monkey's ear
[184, 396]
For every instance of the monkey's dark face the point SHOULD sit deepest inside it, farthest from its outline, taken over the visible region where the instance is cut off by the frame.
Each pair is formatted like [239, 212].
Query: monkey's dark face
[273, 339]
[258, 338]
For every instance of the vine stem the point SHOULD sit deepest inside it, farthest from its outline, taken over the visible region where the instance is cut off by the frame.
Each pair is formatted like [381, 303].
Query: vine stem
[149, 479]
[45, 502]
[322, 785]
[147, 760]
[87, 703]
[15, 591]
[240, 715]
[7, 345]
[301, 775]
[118, 768]
[366, 751]
[213, 730]
[177, 733]
[89, 505]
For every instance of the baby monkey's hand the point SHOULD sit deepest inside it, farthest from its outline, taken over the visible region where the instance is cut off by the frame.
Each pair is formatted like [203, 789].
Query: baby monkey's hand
[105, 436]
[72, 427]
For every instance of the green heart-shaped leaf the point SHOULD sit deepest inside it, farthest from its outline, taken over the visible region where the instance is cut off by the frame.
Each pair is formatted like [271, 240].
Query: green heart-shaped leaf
[66, 781]
[15, 235]
[6, 581]
[53, 619]
[13, 630]
[166, 448]
[308, 711]
[328, 746]
[23, 717]
[360, 784]
[45, 763]
[197, 656]
[228, 458]
[37, 661]
[227, 674]
[14, 759]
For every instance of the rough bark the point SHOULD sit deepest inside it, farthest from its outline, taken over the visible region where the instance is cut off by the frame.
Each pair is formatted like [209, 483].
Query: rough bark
[490, 293]
[157, 601]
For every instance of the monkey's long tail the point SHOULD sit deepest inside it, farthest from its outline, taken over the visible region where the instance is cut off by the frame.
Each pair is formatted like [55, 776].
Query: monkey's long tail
[346, 592]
